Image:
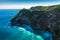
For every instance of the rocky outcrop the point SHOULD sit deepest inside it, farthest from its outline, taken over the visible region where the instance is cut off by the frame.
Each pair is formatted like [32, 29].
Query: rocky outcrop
[47, 18]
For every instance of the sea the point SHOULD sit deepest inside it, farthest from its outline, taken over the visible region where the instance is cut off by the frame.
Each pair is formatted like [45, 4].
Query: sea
[7, 32]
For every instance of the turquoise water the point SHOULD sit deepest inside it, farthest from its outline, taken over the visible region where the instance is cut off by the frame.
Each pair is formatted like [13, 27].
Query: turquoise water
[19, 33]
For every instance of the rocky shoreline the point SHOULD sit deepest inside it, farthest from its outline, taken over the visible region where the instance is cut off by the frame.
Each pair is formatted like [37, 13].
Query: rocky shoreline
[40, 18]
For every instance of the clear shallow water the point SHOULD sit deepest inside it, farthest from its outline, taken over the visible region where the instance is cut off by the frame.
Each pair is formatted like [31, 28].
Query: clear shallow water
[18, 33]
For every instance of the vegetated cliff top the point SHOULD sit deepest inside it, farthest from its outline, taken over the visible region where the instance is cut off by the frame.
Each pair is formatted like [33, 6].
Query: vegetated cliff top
[38, 8]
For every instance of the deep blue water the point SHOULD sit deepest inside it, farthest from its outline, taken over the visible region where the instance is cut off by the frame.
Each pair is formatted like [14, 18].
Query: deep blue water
[7, 15]
[18, 33]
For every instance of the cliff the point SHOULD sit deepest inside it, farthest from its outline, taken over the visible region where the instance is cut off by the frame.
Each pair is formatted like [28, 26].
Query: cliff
[40, 17]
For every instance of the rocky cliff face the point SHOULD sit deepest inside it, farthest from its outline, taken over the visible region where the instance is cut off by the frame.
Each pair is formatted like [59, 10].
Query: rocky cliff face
[47, 18]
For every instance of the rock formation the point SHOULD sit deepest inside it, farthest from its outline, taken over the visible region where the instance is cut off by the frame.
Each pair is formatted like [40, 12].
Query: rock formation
[46, 18]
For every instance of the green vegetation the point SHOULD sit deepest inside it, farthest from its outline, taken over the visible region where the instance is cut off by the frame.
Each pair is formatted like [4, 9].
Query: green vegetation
[39, 8]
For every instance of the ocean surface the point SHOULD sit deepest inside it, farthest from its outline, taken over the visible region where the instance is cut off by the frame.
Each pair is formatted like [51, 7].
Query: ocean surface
[18, 33]
[6, 15]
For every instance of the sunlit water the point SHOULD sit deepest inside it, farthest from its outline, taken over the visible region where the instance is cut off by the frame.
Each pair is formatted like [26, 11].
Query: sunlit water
[19, 33]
